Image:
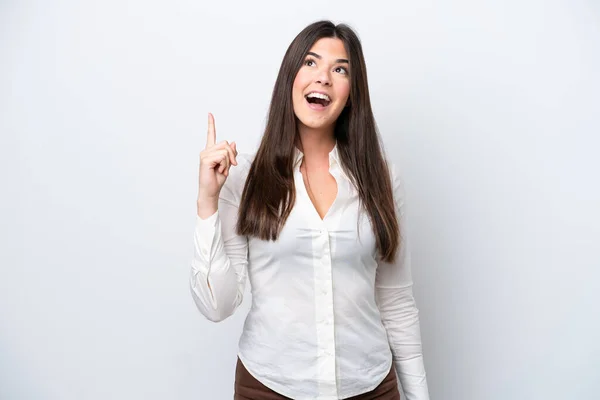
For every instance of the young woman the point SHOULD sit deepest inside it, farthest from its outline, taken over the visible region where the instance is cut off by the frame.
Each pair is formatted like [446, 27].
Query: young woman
[315, 221]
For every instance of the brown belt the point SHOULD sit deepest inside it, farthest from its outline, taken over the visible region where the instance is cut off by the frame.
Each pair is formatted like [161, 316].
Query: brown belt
[248, 387]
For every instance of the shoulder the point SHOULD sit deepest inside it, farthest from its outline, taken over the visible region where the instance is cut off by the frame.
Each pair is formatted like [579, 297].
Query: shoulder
[240, 171]
[234, 185]
[244, 163]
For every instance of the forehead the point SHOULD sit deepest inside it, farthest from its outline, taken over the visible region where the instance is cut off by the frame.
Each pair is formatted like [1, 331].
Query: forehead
[330, 48]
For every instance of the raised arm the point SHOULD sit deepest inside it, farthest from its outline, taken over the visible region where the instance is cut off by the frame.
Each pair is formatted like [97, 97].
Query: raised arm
[219, 265]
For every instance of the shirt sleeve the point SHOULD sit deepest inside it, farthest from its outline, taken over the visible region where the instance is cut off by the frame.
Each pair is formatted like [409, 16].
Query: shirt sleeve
[220, 259]
[399, 313]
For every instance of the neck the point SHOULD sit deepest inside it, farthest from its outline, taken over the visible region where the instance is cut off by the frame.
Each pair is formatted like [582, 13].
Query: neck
[316, 143]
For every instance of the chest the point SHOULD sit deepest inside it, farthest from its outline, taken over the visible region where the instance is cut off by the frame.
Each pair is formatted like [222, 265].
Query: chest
[335, 225]
[322, 189]
[340, 246]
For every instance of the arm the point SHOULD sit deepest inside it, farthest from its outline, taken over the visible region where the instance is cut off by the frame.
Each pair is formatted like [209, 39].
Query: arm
[219, 266]
[399, 313]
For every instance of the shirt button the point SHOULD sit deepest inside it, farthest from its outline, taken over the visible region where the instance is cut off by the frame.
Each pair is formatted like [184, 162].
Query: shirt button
[204, 251]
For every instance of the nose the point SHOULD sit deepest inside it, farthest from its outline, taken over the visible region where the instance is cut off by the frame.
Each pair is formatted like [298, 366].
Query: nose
[323, 77]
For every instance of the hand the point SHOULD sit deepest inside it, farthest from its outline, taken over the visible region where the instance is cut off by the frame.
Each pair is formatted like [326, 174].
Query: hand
[215, 161]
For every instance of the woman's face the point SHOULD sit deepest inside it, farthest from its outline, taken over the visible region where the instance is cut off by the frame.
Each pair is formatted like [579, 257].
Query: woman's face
[322, 85]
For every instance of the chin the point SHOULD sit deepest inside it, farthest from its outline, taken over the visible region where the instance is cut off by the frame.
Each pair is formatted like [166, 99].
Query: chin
[316, 123]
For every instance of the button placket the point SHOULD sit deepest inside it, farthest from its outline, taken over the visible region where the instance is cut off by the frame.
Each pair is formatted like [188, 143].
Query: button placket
[325, 314]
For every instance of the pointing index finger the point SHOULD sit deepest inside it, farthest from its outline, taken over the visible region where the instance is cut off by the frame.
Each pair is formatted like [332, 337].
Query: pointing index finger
[211, 137]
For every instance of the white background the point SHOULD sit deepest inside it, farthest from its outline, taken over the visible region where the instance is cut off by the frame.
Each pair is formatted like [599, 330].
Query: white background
[490, 108]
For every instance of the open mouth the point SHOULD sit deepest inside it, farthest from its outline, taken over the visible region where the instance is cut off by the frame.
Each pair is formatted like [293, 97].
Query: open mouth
[317, 101]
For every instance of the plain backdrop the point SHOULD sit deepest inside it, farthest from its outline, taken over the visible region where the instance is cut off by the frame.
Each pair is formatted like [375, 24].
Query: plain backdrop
[490, 108]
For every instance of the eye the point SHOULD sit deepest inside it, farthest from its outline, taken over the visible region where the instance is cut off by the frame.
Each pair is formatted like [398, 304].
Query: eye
[309, 62]
[341, 70]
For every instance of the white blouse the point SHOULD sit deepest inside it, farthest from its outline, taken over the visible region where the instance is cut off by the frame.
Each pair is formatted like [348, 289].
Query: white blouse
[328, 317]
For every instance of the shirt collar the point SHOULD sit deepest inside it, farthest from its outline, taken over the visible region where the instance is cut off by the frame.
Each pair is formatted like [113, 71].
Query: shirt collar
[334, 156]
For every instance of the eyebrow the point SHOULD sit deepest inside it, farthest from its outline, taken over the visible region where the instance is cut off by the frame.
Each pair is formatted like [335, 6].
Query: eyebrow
[339, 60]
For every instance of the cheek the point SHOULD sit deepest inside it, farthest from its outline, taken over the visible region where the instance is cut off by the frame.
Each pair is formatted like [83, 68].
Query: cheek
[300, 84]
[297, 88]
[347, 89]
[344, 91]
[300, 81]
[296, 97]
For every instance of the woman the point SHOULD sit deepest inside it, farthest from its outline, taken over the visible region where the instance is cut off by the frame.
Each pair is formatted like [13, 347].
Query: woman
[315, 221]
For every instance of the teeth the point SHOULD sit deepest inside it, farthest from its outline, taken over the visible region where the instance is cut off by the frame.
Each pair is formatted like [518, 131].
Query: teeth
[318, 96]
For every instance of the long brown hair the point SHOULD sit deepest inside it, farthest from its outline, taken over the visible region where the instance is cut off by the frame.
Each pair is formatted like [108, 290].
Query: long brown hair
[269, 193]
